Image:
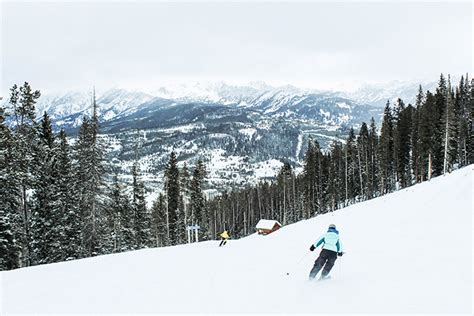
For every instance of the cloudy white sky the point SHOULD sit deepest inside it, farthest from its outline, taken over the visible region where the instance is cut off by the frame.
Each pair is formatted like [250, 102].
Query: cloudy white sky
[74, 44]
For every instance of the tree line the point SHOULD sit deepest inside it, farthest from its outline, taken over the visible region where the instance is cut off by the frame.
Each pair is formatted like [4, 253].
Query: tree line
[61, 201]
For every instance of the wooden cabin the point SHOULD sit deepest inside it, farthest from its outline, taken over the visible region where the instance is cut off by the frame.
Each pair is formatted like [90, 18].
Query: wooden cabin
[266, 226]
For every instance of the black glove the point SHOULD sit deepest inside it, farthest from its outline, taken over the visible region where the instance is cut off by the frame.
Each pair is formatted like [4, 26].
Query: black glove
[339, 254]
[312, 248]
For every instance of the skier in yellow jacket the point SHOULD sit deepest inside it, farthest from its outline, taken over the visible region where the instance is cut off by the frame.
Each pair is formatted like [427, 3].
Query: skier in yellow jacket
[224, 236]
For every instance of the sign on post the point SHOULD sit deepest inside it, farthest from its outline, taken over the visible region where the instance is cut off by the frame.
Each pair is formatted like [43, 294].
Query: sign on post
[194, 228]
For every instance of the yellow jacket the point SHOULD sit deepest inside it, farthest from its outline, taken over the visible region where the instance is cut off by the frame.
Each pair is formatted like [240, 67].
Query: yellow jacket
[224, 235]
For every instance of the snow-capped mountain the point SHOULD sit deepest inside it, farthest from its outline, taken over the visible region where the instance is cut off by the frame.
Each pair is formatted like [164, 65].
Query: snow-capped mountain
[66, 110]
[221, 92]
[284, 100]
[375, 94]
[287, 101]
[378, 94]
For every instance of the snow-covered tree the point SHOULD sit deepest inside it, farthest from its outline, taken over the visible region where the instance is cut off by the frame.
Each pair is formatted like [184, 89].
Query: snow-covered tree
[141, 217]
[159, 222]
[374, 162]
[402, 145]
[23, 100]
[45, 219]
[449, 131]
[470, 142]
[68, 197]
[386, 152]
[198, 212]
[172, 191]
[185, 198]
[90, 173]
[9, 200]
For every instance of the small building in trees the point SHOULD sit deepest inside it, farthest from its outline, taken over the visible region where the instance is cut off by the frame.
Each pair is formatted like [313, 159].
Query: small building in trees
[266, 226]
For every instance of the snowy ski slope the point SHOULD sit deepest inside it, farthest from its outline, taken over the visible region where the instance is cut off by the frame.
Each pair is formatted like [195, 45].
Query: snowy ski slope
[407, 252]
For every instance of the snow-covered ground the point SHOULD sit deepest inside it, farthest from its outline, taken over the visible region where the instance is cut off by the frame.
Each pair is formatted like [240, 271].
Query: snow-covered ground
[407, 252]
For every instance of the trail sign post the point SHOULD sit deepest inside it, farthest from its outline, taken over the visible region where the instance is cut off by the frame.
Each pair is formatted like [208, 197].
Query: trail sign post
[190, 229]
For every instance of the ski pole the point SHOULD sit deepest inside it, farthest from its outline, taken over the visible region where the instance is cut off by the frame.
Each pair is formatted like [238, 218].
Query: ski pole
[340, 264]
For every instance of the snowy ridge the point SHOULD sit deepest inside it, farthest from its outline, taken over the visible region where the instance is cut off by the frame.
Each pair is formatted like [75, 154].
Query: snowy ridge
[116, 102]
[378, 94]
[406, 252]
[66, 110]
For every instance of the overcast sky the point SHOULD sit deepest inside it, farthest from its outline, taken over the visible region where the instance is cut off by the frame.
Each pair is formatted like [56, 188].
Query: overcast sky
[74, 45]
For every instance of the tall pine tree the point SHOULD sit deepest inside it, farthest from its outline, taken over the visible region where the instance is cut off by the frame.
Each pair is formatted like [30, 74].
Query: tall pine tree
[23, 101]
[172, 190]
[199, 215]
[10, 199]
[90, 173]
[70, 237]
[386, 152]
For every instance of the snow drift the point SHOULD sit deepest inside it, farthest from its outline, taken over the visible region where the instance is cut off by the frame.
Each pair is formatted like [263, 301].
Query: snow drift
[410, 251]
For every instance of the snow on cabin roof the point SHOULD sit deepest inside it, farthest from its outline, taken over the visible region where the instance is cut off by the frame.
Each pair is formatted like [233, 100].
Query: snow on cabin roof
[267, 224]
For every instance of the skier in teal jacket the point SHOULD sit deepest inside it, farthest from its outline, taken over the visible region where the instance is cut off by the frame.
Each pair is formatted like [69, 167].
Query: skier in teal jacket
[332, 248]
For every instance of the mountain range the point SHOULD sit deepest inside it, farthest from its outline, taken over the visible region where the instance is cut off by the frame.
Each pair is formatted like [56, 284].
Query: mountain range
[285, 100]
[243, 133]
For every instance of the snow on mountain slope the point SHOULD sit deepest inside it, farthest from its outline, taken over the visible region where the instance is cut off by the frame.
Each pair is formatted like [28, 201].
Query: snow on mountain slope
[410, 251]
[66, 108]
[378, 94]
[111, 103]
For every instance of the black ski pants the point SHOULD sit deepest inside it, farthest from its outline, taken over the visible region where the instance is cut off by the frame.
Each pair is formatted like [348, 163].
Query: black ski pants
[326, 259]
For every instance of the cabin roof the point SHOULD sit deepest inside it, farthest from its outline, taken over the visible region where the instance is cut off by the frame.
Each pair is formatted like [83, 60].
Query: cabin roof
[267, 224]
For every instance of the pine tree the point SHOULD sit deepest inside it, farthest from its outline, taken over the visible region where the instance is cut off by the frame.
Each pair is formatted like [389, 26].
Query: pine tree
[352, 168]
[470, 149]
[184, 200]
[437, 114]
[427, 136]
[9, 200]
[121, 218]
[111, 239]
[402, 145]
[284, 181]
[45, 219]
[199, 215]
[141, 218]
[172, 191]
[449, 131]
[337, 176]
[310, 178]
[363, 156]
[463, 118]
[23, 101]
[90, 174]
[374, 162]
[70, 237]
[323, 186]
[386, 152]
[415, 159]
[159, 222]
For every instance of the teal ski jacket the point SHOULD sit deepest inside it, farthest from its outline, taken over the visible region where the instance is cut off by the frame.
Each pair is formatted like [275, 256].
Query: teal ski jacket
[330, 241]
